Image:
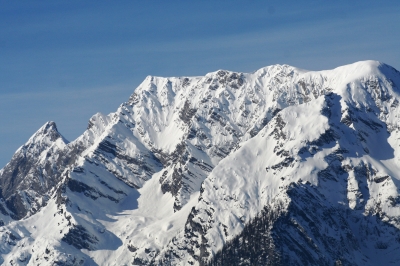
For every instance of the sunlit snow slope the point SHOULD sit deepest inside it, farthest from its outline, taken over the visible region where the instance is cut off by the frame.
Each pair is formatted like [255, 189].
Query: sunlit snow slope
[277, 167]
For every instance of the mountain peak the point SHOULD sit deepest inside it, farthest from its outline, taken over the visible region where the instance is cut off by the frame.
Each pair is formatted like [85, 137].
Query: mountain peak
[48, 134]
[23, 183]
[49, 127]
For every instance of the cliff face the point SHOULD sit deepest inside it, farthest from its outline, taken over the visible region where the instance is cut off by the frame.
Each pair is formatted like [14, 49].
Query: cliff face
[280, 166]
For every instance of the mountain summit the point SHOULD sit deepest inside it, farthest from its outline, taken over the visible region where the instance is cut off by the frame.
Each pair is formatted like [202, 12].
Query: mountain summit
[282, 166]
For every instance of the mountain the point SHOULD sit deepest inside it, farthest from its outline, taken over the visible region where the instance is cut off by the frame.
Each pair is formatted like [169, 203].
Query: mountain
[282, 166]
[31, 173]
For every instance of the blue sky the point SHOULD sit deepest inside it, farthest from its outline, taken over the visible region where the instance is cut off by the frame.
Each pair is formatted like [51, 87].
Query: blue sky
[66, 60]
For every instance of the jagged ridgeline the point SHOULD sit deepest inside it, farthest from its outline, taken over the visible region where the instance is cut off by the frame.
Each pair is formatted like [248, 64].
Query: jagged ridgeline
[282, 166]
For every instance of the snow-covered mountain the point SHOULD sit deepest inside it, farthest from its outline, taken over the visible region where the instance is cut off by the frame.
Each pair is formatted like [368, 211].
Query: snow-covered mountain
[282, 166]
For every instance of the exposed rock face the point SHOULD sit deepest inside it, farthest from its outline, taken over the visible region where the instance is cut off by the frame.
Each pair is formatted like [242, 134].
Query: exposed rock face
[280, 166]
[310, 231]
[32, 172]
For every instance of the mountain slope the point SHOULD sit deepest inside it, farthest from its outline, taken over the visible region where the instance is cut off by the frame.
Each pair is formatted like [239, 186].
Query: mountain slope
[194, 168]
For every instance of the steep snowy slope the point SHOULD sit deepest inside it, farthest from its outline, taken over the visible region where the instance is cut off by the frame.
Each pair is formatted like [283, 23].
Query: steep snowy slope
[309, 161]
